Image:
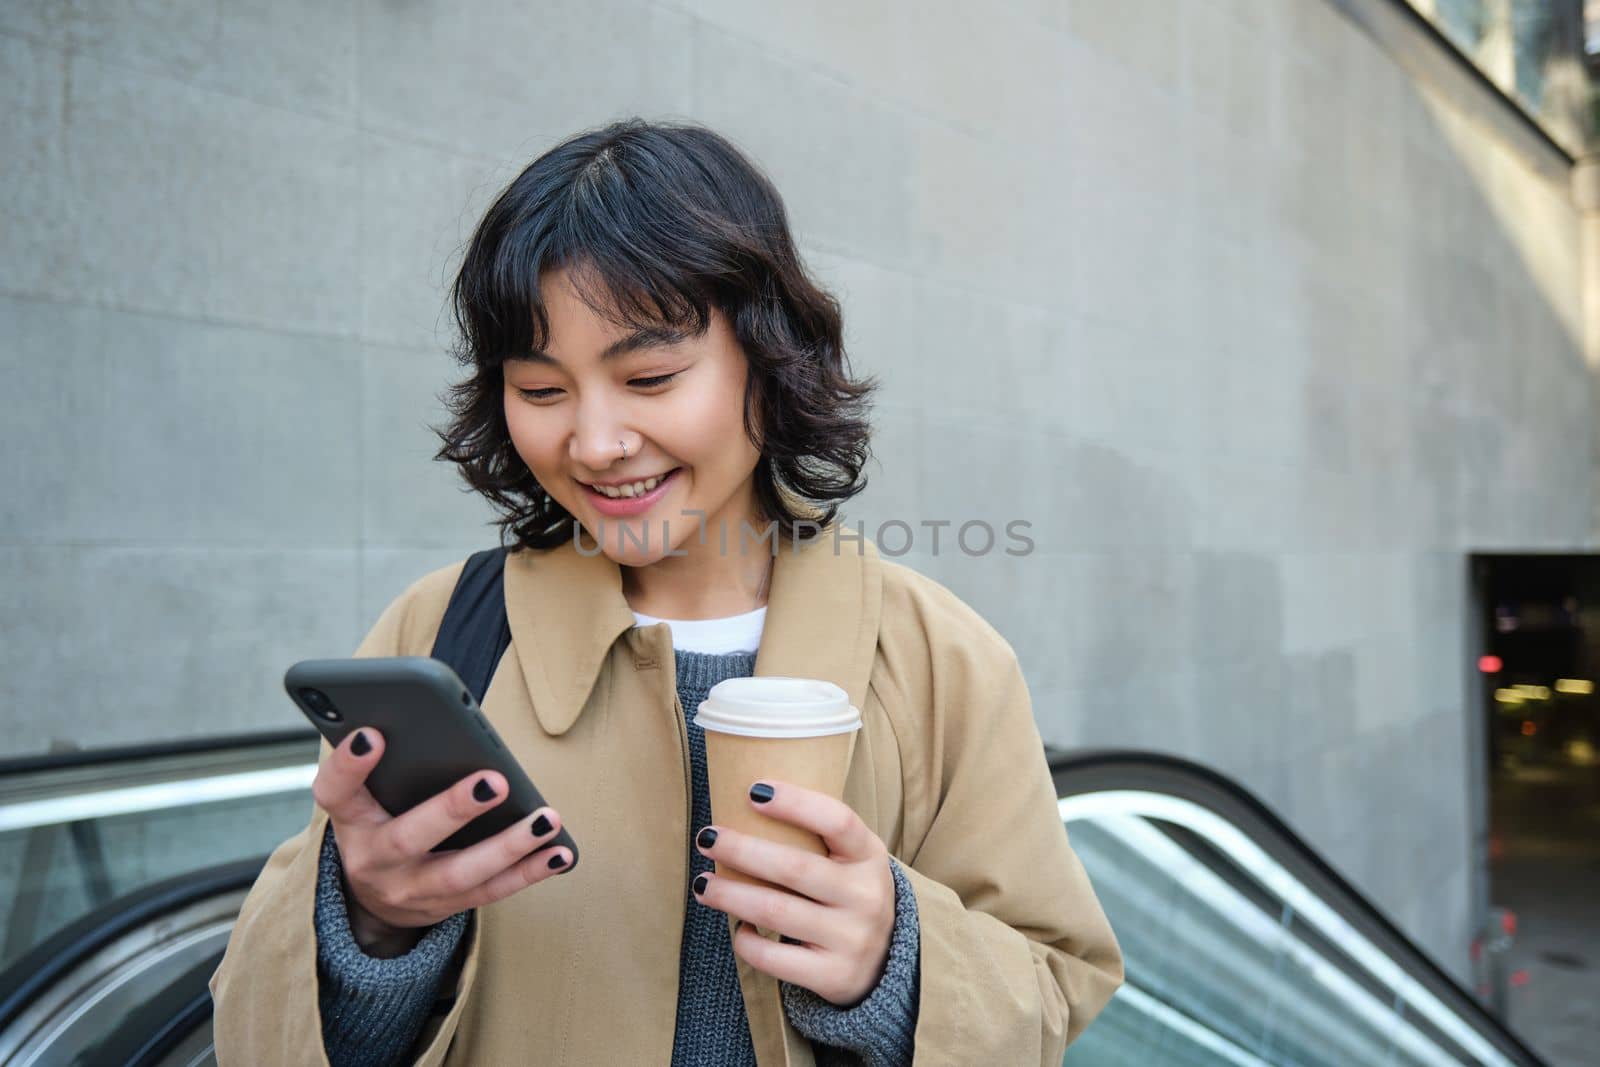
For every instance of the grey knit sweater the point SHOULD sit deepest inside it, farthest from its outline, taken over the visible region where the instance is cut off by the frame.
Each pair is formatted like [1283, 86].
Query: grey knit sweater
[373, 1009]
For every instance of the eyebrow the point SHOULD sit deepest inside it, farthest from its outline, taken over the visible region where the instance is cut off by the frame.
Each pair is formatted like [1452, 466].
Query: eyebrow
[645, 337]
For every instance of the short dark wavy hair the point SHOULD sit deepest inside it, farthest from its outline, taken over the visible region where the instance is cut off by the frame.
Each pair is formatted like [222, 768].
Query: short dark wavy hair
[657, 222]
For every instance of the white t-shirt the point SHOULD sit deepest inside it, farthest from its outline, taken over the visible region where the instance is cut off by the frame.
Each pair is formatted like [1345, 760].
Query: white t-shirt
[735, 633]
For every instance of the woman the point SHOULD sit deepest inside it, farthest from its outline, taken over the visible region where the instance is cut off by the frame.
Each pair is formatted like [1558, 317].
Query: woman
[660, 405]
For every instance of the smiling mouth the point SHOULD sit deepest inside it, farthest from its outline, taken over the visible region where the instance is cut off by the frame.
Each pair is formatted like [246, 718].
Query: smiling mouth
[632, 490]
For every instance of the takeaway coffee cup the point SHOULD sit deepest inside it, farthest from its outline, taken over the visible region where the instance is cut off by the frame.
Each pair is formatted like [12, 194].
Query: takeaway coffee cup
[796, 730]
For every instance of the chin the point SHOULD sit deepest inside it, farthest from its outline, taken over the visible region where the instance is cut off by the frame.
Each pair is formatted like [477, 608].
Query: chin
[629, 543]
[633, 557]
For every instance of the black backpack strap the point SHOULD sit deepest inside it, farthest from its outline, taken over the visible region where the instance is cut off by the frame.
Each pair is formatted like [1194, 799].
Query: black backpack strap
[474, 633]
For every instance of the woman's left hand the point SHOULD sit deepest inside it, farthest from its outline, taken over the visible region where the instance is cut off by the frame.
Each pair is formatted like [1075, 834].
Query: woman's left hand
[843, 929]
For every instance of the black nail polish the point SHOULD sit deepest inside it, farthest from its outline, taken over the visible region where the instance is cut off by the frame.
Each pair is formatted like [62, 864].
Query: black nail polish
[483, 792]
[761, 792]
[700, 884]
[541, 826]
[360, 746]
[557, 862]
[707, 838]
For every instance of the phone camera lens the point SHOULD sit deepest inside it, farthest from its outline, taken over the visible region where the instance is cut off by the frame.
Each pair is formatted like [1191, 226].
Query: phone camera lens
[320, 705]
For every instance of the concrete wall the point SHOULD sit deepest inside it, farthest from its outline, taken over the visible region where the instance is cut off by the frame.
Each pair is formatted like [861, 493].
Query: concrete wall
[1261, 333]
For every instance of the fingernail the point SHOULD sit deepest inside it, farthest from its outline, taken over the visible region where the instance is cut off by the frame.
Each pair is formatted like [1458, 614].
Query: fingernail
[761, 792]
[541, 826]
[700, 884]
[360, 746]
[557, 862]
[707, 838]
[483, 792]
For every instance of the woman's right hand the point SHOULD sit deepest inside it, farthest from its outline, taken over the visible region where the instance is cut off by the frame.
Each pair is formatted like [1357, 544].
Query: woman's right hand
[395, 886]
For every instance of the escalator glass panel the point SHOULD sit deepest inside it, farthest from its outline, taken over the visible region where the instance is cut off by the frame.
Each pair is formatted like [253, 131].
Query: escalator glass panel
[74, 837]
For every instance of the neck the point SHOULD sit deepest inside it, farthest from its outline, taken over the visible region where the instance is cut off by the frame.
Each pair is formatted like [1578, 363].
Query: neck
[705, 585]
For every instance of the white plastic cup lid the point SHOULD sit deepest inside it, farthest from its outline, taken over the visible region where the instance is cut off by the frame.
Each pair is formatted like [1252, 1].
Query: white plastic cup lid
[777, 707]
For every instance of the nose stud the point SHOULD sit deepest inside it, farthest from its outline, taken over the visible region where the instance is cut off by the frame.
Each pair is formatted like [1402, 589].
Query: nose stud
[624, 448]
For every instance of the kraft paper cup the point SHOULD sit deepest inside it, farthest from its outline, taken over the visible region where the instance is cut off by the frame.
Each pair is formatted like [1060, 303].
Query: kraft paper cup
[795, 730]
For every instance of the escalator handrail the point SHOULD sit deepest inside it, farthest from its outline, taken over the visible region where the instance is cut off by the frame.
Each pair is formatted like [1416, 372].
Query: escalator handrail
[94, 757]
[1080, 771]
[36, 970]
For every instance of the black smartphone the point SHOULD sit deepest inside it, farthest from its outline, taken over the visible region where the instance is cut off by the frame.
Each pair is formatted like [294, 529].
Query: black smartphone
[434, 735]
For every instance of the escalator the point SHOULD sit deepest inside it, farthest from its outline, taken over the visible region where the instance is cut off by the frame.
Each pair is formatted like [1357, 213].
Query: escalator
[122, 872]
[126, 984]
[1243, 947]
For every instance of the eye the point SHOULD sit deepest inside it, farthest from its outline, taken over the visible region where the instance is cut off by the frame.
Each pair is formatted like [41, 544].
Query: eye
[539, 395]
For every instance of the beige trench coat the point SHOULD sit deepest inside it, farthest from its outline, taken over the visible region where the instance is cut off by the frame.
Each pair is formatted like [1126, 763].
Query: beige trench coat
[948, 770]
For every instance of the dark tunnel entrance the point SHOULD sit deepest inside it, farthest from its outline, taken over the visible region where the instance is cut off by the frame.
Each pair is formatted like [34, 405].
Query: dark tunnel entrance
[1538, 669]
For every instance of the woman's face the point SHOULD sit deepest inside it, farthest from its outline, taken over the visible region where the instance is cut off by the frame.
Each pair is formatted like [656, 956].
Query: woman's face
[678, 404]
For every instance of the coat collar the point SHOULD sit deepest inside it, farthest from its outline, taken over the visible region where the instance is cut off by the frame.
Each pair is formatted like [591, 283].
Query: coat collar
[566, 610]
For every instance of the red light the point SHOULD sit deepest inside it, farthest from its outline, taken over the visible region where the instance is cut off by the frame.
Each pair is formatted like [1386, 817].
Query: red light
[1528, 728]
[1490, 664]
[1520, 978]
[1508, 923]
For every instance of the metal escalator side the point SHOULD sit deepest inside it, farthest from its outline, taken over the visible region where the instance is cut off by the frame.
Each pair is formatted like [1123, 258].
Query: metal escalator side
[1243, 945]
[126, 985]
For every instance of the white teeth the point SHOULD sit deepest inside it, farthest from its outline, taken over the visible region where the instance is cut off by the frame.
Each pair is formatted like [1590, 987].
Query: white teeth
[629, 491]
